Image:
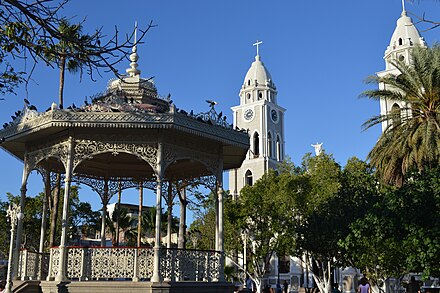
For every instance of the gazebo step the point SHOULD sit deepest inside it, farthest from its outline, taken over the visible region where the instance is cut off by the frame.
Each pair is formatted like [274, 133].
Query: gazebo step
[135, 287]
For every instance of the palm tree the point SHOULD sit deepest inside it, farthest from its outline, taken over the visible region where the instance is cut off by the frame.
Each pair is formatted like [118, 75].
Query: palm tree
[412, 139]
[127, 224]
[66, 53]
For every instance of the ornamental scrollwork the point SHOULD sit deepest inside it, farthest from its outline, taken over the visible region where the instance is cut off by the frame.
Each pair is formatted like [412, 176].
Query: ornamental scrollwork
[59, 151]
[87, 149]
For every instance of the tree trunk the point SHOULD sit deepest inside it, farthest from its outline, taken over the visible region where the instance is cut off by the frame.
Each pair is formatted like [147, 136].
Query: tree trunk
[182, 222]
[61, 90]
[54, 211]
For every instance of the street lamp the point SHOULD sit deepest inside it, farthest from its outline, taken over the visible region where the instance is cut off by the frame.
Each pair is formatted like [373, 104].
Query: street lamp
[14, 214]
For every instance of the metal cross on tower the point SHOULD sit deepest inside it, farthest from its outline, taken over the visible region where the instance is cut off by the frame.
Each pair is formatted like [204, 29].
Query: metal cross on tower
[257, 44]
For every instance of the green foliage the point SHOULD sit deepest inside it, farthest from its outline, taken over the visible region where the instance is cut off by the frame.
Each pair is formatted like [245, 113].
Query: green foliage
[399, 233]
[261, 216]
[412, 139]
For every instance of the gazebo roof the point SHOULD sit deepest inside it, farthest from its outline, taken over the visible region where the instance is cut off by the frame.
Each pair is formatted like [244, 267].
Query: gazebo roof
[130, 109]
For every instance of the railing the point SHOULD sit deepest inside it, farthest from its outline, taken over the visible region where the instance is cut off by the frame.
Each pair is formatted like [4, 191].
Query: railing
[33, 265]
[136, 264]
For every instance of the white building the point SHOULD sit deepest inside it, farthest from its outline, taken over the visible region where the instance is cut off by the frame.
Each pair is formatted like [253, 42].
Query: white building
[260, 114]
[404, 39]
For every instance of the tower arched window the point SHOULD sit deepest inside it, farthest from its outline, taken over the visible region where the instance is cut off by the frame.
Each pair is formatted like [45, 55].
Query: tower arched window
[260, 95]
[269, 145]
[396, 112]
[249, 82]
[248, 178]
[279, 156]
[256, 145]
[400, 42]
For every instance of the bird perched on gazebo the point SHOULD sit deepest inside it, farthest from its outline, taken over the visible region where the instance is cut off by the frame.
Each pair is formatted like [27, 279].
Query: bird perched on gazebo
[211, 103]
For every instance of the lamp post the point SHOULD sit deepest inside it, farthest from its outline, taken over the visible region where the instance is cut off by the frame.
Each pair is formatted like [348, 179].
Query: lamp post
[14, 213]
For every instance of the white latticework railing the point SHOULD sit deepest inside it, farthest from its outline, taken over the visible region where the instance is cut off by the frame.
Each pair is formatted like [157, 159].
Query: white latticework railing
[131, 263]
[32, 265]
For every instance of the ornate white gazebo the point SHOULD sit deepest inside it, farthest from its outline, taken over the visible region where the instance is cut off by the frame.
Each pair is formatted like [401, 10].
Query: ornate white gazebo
[126, 136]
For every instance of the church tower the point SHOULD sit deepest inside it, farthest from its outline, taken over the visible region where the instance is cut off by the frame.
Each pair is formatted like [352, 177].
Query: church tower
[260, 114]
[404, 39]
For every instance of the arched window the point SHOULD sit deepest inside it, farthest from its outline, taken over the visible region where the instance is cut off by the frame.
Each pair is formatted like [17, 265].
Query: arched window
[260, 95]
[279, 156]
[396, 112]
[256, 141]
[400, 42]
[248, 95]
[248, 179]
[269, 145]
[249, 82]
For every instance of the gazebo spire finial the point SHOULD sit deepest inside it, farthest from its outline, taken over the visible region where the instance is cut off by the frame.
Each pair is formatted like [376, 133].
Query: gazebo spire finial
[403, 8]
[133, 71]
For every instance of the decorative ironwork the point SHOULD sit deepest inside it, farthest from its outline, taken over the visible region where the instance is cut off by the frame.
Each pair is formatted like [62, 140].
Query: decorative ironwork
[86, 149]
[58, 150]
[137, 263]
[33, 265]
[190, 265]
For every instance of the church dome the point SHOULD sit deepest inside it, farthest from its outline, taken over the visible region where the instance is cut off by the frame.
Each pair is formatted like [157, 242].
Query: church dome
[405, 34]
[257, 74]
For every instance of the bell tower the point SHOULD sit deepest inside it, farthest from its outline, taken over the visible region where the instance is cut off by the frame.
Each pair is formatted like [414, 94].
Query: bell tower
[404, 39]
[261, 115]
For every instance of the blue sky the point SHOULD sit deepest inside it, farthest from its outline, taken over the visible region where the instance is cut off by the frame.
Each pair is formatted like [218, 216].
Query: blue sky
[318, 53]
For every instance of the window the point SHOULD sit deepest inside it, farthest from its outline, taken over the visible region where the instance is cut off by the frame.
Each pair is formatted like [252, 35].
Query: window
[260, 95]
[249, 82]
[279, 158]
[269, 145]
[256, 141]
[400, 42]
[395, 112]
[248, 180]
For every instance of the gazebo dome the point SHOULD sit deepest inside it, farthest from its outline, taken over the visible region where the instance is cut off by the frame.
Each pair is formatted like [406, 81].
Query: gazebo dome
[257, 74]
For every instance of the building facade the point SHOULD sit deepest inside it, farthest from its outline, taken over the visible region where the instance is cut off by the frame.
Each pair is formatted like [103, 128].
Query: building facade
[404, 39]
[260, 114]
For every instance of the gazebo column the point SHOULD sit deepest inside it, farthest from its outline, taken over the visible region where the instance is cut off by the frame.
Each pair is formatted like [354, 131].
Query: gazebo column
[159, 176]
[61, 276]
[104, 212]
[170, 213]
[220, 221]
[23, 190]
[139, 226]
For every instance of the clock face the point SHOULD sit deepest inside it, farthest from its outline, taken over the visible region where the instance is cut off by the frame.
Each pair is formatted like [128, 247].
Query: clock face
[274, 115]
[248, 114]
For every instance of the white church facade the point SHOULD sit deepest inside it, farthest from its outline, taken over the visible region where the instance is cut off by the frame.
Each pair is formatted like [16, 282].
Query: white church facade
[260, 113]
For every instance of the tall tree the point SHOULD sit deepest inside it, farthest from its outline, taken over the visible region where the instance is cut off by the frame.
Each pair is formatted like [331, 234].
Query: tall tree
[66, 53]
[260, 221]
[412, 139]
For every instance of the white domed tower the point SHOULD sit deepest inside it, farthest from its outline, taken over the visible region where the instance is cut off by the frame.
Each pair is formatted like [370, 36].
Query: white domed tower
[404, 39]
[260, 114]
